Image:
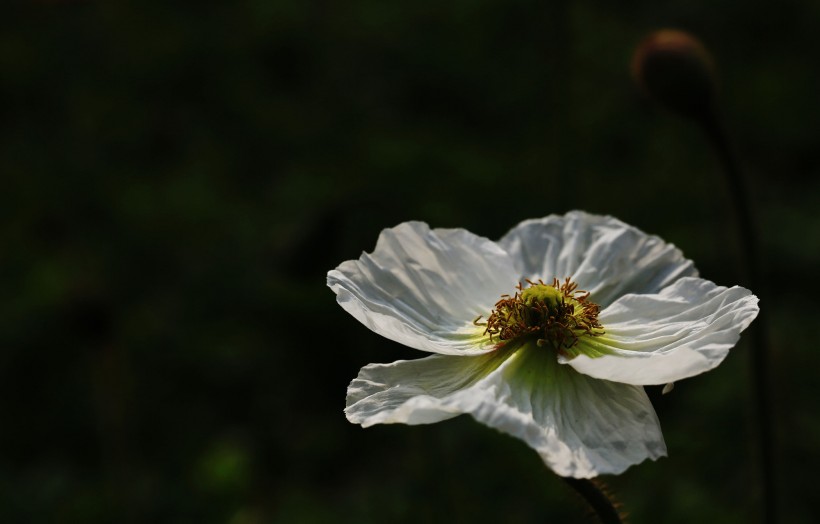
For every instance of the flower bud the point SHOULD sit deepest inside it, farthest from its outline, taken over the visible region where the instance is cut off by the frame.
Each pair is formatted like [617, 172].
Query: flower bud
[674, 68]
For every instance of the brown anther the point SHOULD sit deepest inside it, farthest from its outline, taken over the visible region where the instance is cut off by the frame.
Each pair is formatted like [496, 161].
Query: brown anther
[559, 324]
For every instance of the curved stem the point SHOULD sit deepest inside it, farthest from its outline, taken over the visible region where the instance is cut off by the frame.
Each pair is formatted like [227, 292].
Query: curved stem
[760, 355]
[596, 498]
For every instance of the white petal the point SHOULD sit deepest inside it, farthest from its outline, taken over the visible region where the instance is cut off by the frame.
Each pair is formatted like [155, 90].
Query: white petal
[581, 427]
[423, 288]
[684, 330]
[601, 254]
[413, 391]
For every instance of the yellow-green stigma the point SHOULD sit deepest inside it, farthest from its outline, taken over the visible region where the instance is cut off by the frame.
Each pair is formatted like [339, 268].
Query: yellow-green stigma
[556, 316]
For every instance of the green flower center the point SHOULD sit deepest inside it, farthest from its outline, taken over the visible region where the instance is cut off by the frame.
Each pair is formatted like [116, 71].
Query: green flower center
[555, 316]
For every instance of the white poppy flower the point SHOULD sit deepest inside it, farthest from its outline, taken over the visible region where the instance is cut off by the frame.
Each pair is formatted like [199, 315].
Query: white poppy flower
[520, 348]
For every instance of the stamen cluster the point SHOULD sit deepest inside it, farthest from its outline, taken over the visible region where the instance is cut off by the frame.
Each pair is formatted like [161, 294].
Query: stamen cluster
[555, 315]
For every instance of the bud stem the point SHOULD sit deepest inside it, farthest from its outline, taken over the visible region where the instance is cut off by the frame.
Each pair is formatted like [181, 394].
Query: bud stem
[677, 70]
[716, 133]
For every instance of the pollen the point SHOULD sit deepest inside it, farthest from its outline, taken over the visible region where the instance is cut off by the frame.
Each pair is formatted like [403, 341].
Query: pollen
[555, 316]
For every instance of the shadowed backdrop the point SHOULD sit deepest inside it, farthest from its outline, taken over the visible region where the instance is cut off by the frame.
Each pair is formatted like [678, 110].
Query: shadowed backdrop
[179, 179]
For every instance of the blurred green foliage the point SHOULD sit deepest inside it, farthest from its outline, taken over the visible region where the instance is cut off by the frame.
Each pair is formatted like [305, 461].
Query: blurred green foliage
[180, 176]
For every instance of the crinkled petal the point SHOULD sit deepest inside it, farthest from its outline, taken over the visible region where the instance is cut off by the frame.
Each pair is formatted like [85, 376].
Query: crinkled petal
[413, 391]
[423, 288]
[684, 330]
[601, 254]
[581, 427]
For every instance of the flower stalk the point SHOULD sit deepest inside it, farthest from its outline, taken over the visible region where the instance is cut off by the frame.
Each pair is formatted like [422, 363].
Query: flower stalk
[598, 499]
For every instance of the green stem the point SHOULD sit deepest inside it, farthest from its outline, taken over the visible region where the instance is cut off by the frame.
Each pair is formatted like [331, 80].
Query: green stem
[596, 498]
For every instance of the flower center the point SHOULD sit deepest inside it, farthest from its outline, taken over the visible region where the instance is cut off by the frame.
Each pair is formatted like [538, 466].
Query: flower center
[554, 315]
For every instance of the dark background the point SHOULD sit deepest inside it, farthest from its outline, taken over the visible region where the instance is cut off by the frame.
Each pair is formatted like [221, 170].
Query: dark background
[178, 178]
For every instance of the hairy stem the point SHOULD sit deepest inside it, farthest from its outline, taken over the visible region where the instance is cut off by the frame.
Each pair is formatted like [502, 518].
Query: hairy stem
[597, 499]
